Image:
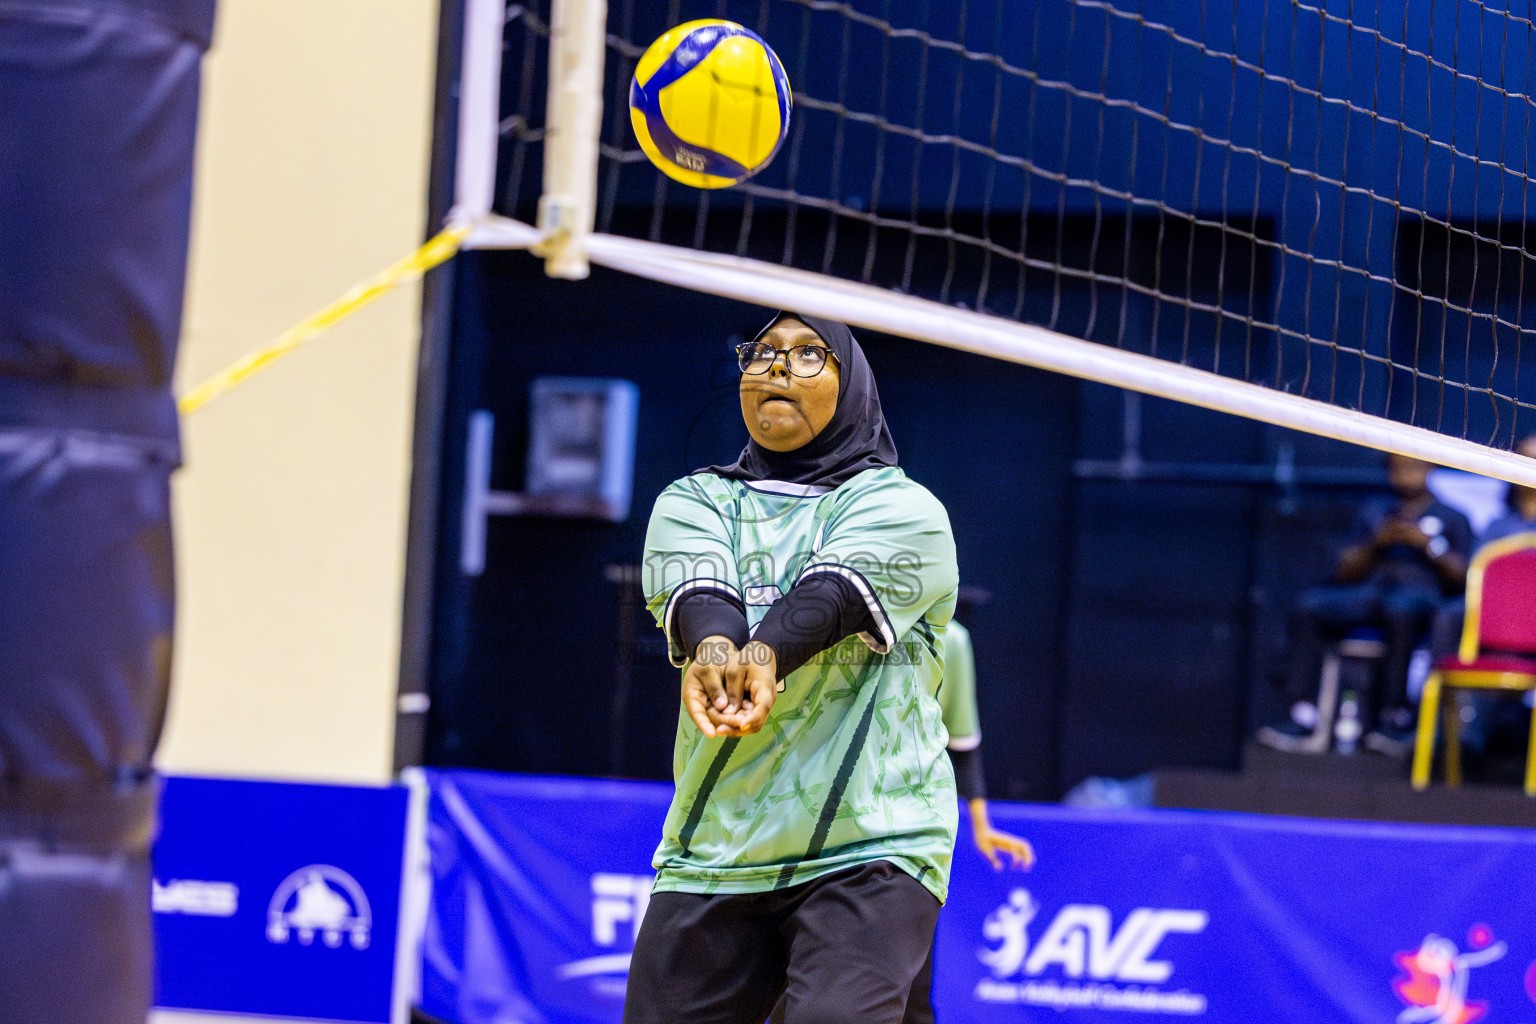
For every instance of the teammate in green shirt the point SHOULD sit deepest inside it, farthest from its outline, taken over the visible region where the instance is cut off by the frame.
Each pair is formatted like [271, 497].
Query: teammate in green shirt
[962, 720]
[804, 590]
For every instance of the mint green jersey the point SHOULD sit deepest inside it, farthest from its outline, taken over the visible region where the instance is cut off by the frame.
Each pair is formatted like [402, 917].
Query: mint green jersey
[957, 697]
[850, 767]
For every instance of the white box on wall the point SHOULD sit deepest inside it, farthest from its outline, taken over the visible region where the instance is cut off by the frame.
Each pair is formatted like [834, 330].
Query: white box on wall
[581, 440]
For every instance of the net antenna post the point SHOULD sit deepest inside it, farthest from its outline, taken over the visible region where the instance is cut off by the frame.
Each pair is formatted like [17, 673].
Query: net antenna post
[574, 118]
[479, 128]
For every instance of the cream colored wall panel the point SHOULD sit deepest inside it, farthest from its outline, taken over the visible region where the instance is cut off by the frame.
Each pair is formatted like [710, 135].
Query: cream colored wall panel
[313, 151]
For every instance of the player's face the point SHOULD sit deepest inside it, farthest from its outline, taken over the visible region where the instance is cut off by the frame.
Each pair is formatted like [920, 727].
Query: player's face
[783, 411]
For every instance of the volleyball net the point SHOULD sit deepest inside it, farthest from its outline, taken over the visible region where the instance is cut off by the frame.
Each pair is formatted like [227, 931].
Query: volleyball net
[1311, 214]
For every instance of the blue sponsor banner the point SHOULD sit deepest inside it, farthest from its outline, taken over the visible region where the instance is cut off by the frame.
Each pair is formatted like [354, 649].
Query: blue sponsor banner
[539, 885]
[279, 899]
[1235, 918]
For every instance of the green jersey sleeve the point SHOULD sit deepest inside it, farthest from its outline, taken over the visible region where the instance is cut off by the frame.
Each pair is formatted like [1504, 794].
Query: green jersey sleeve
[957, 695]
[689, 546]
[891, 538]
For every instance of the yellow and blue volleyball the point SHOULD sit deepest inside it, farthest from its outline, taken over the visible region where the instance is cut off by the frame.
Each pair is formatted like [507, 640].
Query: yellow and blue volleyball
[710, 103]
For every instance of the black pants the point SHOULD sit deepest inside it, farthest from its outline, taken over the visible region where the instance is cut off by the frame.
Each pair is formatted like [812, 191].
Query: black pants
[842, 949]
[1328, 613]
[919, 997]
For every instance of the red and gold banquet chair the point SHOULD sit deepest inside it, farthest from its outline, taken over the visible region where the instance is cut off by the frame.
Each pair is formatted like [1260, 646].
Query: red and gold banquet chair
[1498, 652]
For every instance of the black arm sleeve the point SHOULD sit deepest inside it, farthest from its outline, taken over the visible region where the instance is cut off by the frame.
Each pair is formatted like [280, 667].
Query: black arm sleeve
[707, 613]
[970, 782]
[816, 613]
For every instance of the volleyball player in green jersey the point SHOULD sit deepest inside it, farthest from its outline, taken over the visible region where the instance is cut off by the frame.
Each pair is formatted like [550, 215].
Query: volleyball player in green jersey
[805, 590]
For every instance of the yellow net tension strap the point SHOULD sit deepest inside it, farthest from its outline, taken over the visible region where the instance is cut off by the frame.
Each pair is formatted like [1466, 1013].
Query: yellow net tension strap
[441, 247]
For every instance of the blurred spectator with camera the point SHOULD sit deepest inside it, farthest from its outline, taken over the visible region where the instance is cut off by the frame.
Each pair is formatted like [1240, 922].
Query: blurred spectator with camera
[1409, 559]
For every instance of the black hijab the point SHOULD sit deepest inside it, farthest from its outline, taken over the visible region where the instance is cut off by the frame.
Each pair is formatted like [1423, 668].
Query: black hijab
[854, 439]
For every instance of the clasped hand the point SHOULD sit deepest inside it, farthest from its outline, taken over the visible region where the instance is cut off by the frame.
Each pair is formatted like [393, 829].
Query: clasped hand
[728, 691]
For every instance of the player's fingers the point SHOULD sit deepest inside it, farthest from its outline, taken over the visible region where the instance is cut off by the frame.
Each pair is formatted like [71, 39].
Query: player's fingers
[714, 691]
[1022, 853]
[725, 723]
[762, 688]
[752, 719]
[706, 681]
[697, 708]
[990, 853]
[735, 686]
[749, 715]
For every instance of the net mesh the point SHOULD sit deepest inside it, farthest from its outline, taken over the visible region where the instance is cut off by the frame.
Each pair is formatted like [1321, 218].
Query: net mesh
[1328, 199]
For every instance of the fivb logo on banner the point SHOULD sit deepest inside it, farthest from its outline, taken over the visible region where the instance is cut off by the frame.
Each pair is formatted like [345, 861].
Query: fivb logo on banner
[1081, 941]
[618, 907]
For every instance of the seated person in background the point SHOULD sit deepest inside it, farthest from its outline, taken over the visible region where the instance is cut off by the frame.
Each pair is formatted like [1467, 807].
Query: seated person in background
[1410, 558]
[1490, 715]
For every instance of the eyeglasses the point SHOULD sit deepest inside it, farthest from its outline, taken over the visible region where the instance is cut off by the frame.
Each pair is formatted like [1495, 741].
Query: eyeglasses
[801, 360]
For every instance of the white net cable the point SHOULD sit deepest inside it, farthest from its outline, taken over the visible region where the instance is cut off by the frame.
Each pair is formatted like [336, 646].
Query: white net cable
[1320, 207]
